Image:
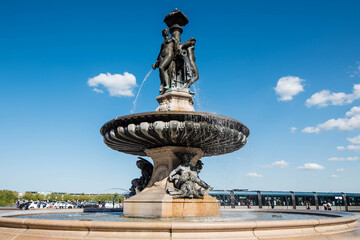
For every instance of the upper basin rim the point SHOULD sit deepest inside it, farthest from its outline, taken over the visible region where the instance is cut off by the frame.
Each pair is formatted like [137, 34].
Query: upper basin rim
[105, 126]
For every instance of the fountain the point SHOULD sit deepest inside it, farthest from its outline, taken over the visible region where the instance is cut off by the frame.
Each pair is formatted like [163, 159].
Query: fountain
[169, 200]
[174, 136]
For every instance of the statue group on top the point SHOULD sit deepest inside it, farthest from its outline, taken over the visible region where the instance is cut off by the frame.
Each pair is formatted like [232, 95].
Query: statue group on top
[176, 60]
[178, 71]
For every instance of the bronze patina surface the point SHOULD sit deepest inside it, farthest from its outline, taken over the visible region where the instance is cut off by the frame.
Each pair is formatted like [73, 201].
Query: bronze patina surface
[214, 134]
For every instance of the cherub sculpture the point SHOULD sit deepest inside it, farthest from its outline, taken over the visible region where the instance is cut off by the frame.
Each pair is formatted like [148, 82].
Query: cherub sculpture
[138, 184]
[186, 182]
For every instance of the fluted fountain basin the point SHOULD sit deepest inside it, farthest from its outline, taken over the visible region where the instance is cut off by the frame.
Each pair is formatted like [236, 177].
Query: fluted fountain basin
[214, 134]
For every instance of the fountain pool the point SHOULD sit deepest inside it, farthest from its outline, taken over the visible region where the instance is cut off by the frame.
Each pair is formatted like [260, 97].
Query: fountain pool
[231, 224]
[224, 216]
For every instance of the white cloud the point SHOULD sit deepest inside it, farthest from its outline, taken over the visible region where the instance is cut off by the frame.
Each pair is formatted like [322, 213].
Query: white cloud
[118, 85]
[342, 159]
[288, 87]
[353, 111]
[350, 123]
[311, 166]
[348, 147]
[340, 170]
[354, 71]
[311, 130]
[254, 174]
[325, 98]
[353, 147]
[334, 176]
[98, 90]
[336, 159]
[354, 140]
[280, 164]
[293, 129]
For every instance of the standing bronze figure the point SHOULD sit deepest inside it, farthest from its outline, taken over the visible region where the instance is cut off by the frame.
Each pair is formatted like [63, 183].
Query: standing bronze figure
[164, 60]
[189, 46]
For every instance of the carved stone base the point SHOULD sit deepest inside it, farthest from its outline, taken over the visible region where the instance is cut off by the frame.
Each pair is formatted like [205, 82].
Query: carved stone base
[175, 101]
[165, 160]
[154, 202]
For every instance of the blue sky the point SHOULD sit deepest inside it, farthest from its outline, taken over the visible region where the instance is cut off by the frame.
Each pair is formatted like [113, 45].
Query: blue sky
[50, 117]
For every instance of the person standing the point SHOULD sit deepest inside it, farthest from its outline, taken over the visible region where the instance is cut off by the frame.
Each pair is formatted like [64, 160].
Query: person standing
[328, 205]
[325, 206]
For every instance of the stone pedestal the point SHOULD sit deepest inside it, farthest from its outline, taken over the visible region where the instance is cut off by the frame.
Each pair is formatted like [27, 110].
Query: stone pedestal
[154, 202]
[175, 101]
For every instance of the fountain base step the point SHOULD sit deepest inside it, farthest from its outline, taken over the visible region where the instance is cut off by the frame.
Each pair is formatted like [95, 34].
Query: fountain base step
[154, 202]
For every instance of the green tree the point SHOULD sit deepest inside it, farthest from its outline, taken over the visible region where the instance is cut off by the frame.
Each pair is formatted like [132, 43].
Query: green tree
[28, 196]
[103, 197]
[67, 197]
[51, 196]
[117, 197]
[39, 196]
[7, 198]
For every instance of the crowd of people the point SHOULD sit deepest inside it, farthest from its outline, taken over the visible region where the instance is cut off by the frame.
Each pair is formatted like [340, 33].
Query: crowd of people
[30, 204]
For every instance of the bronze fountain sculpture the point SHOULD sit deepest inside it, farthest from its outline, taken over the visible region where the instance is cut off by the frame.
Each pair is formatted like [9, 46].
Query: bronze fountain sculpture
[174, 136]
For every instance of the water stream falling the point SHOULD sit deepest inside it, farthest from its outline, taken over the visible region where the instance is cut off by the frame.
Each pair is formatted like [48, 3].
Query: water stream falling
[196, 96]
[138, 93]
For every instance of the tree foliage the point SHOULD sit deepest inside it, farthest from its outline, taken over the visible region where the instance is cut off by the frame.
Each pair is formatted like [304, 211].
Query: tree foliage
[7, 198]
[68, 197]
